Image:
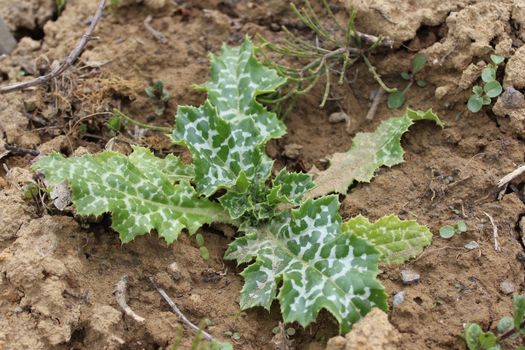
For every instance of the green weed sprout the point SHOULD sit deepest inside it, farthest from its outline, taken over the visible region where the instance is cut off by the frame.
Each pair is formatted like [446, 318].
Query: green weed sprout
[159, 96]
[509, 328]
[60, 4]
[397, 98]
[491, 88]
[448, 231]
[334, 50]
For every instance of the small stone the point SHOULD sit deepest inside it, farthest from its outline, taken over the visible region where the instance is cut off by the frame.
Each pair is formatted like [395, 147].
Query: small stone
[399, 298]
[471, 245]
[7, 41]
[293, 150]
[506, 287]
[18, 309]
[338, 117]
[175, 271]
[512, 98]
[409, 277]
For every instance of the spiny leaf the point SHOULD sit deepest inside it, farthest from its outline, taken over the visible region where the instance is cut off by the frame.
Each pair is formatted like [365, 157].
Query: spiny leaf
[227, 134]
[397, 240]
[237, 78]
[369, 152]
[260, 201]
[138, 190]
[290, 187]
[170, 165]
[221, 151]
[318, 264]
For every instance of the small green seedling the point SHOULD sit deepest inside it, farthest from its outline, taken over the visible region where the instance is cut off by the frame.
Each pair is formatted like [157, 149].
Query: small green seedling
[397, 98]
[448, 231]
[483, 95]
[159, 96]
[114, 123]
[60, 4]
[233, 335]
[205, 254]
[508, 328]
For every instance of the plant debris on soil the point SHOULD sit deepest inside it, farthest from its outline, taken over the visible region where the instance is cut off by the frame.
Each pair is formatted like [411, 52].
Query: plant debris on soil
[58, 272]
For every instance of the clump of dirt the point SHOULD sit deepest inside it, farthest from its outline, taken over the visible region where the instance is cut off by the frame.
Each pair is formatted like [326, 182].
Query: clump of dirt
[58, 273]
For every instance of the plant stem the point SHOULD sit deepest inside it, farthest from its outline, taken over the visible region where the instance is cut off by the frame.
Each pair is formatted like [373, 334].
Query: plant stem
[376, 76]
[163, 129]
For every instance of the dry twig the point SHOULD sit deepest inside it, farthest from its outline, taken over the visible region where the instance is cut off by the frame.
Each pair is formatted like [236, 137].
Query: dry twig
[160, 37]
[179, 313]
[497, 247]
[511, 176]
[61, 68]
[120, 295]
[375, 103]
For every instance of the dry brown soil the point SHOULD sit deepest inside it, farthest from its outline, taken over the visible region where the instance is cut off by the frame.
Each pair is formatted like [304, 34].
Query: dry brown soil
[58, 272]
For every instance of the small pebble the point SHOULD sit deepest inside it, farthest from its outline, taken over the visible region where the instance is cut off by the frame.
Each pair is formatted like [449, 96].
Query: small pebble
[174, 271]
[293, 150]
[507, 287]
[399, 298]
[338, 117]
[409, 277]
[512, 98]
[18, 309]
[471, 245]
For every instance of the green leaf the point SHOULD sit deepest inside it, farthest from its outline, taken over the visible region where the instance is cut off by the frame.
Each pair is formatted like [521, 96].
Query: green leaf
[237, 78]
[486, 100]
[222, 152]
[290, 187]
[205, 254]
[488, 74]
[477, 90]
[418, 62]
[493, 88]
[226, 135]
[497, 59]
[447, 231]
[138, 190]
[171, 166]
[519, 310]
[114, 123]
[488, 340]
[396, 99]
[505, 324]
[421, 83]
[461, 226]
[475, 103]
[397, 240]
[369, 152]
[318, 264]
[406, 75]
[472, 334]
[199, 239]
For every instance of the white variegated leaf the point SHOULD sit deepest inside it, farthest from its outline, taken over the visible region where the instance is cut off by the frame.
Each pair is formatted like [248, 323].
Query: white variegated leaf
[226, 135]
[319, 265]
[137, 191]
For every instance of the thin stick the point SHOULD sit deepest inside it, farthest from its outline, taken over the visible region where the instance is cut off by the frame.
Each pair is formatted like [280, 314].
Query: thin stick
[375, 103]
[179, 313]
[160, 37]
[497, 247]
[511, 176]
[163, 129]
[14, 150]
[73, 55]
[120, 295]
